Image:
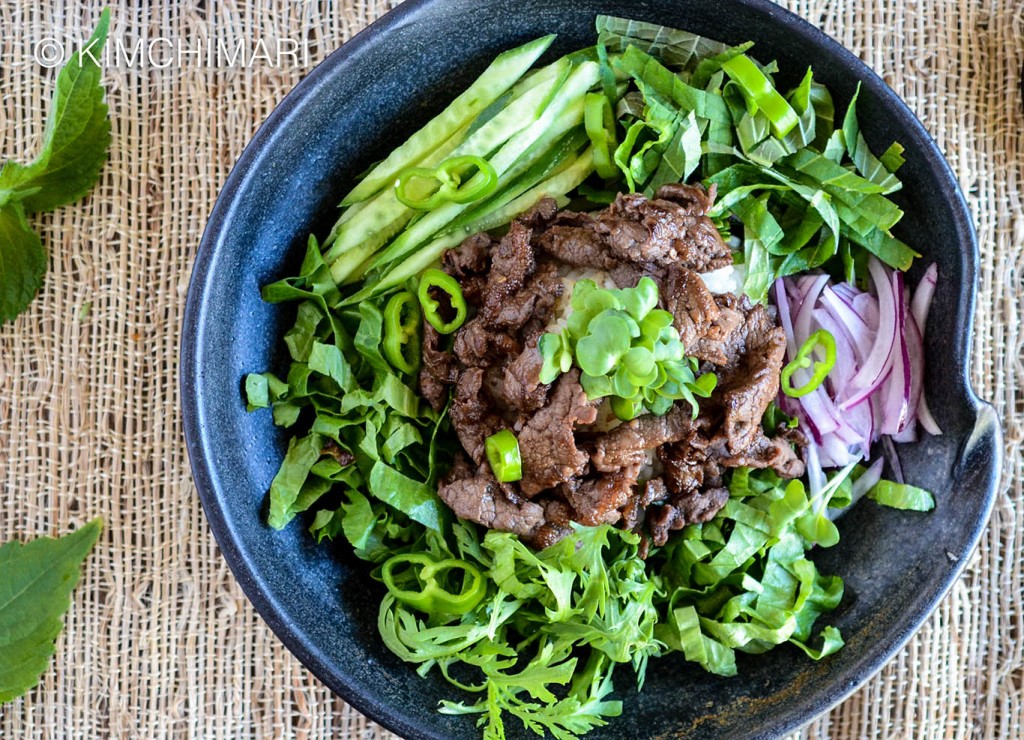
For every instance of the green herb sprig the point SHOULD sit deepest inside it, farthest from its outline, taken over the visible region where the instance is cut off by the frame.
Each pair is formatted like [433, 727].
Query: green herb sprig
[36, 580]
[627, 349]
[74, 150]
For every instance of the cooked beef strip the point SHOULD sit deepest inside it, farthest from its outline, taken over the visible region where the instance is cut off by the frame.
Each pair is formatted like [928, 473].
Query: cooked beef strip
[478, 497]
[598, 500]
[339, 453]
[522, 389]
[472, 257]
[693, 507]
[671, 228]
[572, 238]
[635, 509]
[438, 370]
[478, 346]
[472, 414]
[547, 444]
[627, 445]
[468, 263]
[751, 380]
[541, 214]
[687, 466]
[628, 274]
[684, 295]
[533, 302]
[706, 322]
[711, 347]
[511, 264]
[694, 199]
[777, 454]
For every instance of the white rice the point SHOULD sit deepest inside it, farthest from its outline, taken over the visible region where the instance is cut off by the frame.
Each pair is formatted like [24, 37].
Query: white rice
[726, 280]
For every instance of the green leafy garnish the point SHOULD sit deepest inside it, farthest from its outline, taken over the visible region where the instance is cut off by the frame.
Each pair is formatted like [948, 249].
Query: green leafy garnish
[74, 149]
[544, 641]
[370, 436]
[627, 348]
[35, 592]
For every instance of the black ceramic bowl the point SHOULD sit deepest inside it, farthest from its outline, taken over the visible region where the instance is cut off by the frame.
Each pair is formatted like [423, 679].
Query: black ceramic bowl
[355, 107]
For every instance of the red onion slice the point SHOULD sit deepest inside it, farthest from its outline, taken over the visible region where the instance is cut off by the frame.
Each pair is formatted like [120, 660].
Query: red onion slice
[922, 300]
[924, 415]
[871, 374]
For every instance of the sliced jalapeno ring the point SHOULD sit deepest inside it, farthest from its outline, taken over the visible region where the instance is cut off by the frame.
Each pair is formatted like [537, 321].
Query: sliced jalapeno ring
[402, 332]
[805, 360]
[437, 280]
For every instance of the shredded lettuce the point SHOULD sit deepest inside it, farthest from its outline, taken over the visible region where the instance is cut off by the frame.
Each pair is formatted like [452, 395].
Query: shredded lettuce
[360, 411]
[901, 496]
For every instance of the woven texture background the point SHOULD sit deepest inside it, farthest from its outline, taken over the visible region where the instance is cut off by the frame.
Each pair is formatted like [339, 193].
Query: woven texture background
[160, 642]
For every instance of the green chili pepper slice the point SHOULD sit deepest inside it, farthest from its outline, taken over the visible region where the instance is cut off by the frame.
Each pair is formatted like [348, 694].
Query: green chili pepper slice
[402, 332]
[421, 585]
[448, 176]
[502, 450]
[434, 278]
[759, 90]
[599, 122]
[803, 360]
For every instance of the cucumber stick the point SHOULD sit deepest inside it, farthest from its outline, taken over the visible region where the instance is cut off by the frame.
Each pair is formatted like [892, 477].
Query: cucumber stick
[554, 187]
[376, 213]
[383, 216]
[564, 112]
[503, 73]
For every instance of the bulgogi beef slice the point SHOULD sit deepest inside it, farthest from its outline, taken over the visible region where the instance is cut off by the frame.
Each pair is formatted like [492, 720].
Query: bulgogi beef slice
[598, 500]
[687, 466]
[472, 257]
[628, 274]
[478, 346]
[633, 512]
[751, 381]
[694, 199]
[776, 453]
[512, 262]
[468, 263]
[438, 370]
[478, 497]
[532, 304]
[572, 238]
[712, 346]
[673, 228]
[522, 389]
[541, 214]
[694, 507]
[684, 295]
[472, 414]
[547, 444]
[627, 445]
[342, 456]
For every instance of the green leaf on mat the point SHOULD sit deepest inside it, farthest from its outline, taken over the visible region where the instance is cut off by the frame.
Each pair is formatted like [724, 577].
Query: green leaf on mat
[74, 149]
[35, 592]
[22, 261]
[77, 134]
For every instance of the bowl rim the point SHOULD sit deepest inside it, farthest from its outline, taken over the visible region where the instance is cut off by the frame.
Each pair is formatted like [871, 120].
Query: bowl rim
[986, 425]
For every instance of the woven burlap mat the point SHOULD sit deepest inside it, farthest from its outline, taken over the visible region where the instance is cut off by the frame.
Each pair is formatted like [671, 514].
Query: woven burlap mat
[160, 640]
